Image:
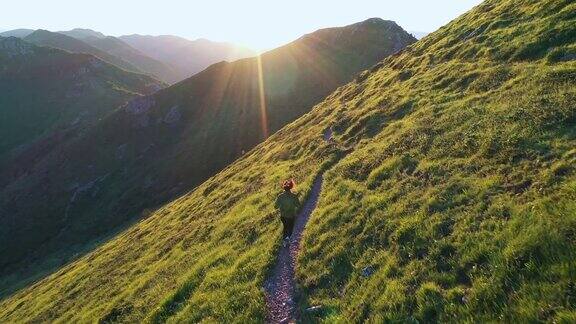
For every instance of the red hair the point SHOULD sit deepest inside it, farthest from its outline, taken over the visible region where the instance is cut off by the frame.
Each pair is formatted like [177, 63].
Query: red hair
[288, 184]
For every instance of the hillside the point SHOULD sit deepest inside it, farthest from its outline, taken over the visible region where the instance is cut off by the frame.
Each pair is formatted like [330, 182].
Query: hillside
[187, 57]
[42, 37]
[65, 87]
[455, 204]
[118, 48]
[160, 146]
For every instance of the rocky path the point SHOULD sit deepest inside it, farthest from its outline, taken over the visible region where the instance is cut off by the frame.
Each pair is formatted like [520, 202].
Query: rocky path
[280, 285]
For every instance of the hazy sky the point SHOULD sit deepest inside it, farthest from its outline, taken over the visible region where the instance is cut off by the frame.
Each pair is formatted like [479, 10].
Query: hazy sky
[258, 24]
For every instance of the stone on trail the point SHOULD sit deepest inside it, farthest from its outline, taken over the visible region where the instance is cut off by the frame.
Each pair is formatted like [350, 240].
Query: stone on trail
[314, 309]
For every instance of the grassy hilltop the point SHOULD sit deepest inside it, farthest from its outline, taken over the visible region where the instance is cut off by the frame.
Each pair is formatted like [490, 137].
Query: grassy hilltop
[456, 204]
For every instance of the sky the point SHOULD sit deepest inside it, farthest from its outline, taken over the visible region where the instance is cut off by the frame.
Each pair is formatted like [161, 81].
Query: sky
[258, 24]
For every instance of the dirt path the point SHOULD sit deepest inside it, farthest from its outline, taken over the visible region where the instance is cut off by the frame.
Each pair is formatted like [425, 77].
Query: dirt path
[280, 285]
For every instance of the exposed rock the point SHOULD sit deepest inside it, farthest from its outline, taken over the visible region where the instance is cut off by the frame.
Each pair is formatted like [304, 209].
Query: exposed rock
[76, 90]
[148, 182]
[82, 70]
[328, 134]
[172, 116]
[76, 121]
[121, 151]
[151, 88]
[142, 121]
[314, 309]
[13, 46]
[80, 189]
[140, 105]
[95, 63]
[568, 57]
[368, 271]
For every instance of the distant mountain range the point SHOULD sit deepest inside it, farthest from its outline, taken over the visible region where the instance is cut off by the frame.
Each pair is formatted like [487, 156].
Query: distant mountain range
[187, 57]
[142, 62]
[56, 40]
[65, 88]
[159, 146]
[167, 58]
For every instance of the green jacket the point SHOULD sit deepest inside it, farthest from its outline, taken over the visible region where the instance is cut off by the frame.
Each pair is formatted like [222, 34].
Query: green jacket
[287, 203]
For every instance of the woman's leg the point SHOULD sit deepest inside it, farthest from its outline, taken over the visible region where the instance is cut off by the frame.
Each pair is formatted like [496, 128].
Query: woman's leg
[285, 227]
[290, 226]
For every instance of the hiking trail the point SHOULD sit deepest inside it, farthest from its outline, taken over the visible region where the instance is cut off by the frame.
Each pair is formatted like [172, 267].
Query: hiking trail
[280, 285]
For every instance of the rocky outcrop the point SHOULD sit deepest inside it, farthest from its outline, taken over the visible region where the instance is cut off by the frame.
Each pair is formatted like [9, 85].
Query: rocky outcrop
[12, 46]
[139, 108]
[173, 116]
[140, 105]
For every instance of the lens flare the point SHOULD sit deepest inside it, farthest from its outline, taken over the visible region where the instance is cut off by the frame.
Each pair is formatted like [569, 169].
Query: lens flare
[261, 89]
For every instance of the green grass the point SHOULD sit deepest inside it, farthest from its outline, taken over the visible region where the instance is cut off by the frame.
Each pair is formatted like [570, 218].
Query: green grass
[460, 195]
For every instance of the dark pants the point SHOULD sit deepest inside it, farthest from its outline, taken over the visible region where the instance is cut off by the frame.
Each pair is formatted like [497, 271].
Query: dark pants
[288, 226]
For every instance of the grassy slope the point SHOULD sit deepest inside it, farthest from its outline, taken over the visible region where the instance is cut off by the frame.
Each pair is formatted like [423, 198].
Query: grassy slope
[465, 208]
[131, 162]
[459, 195]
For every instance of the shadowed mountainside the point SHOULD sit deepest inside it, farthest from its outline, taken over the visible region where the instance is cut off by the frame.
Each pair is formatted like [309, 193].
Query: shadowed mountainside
[65, 88]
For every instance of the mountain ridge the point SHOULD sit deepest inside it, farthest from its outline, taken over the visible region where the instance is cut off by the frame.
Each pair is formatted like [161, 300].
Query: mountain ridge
[47, 38]
[175, 64]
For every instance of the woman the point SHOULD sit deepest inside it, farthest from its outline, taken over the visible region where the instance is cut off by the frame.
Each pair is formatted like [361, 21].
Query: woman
[287, 203]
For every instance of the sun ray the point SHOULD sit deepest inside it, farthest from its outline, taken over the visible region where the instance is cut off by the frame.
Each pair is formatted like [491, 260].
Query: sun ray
[261, 89]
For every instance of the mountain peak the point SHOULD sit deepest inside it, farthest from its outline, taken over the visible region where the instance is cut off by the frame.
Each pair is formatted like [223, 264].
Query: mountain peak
[81, 33]
[40, 32]
[372, 29]
[377, 20]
